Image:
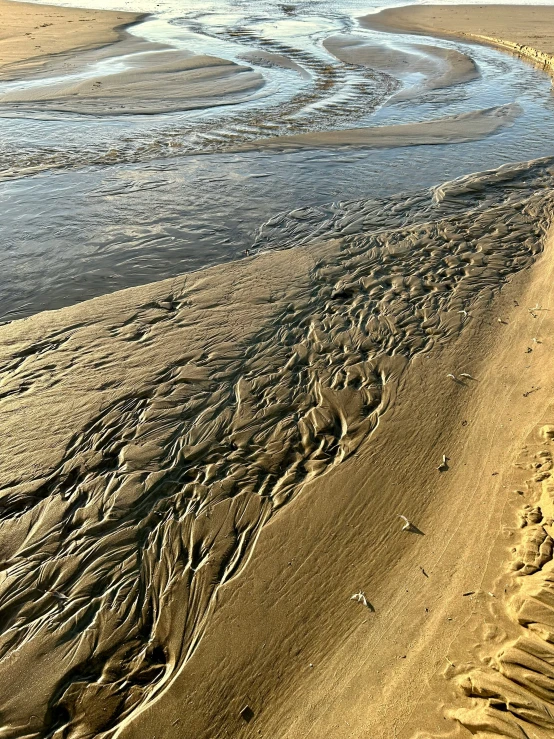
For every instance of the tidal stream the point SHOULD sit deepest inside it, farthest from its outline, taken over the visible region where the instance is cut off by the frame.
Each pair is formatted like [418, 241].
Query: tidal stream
[93, 204]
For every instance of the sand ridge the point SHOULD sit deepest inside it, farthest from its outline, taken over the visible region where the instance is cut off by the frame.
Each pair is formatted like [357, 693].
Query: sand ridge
[453, 129]
[158, 80]
[439, 67]
[270, 58]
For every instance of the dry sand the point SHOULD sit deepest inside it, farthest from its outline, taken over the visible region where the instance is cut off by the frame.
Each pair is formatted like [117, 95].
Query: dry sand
[197, 476]
[30, 34]
[527, 30]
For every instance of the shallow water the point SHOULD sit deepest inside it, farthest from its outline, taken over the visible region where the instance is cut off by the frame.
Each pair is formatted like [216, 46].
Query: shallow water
[122, 201]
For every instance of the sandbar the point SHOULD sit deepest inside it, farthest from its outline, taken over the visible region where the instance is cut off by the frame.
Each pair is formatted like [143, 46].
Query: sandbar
[454, 129]
[157, 80]
[438, 67]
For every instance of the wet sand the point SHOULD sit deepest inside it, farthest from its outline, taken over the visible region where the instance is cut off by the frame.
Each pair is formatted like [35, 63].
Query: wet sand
[227, 457]
[277, 498]
[440, 68]
[158, 80]
[447, 130]
[146, 77]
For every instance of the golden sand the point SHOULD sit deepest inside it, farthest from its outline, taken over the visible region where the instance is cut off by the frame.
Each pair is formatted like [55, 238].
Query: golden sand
[31, 33]
[198, 475]
[526, 30]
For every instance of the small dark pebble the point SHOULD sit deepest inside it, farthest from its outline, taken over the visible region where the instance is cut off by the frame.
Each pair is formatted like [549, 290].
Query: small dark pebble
[247, 714]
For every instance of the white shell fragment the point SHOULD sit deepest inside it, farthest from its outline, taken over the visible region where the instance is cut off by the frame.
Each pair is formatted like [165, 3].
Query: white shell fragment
[360, 598]
[407, 524]
[443, 466]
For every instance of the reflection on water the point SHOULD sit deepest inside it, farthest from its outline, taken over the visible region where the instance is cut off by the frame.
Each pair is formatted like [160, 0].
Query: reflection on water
[118, 204]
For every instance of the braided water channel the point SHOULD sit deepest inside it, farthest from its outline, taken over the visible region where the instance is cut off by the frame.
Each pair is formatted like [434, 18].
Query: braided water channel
[92, 204]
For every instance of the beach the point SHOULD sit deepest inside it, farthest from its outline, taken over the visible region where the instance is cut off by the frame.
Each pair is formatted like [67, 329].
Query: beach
[307, 492]
[521, 29]
[32, 34]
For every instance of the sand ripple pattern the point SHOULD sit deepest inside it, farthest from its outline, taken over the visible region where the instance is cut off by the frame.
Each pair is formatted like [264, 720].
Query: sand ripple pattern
[346, 219]
[112, 559]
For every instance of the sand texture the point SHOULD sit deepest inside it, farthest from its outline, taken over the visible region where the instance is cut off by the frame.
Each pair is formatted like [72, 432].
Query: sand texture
[157, 80]
[510, 694]
[30, 34]
[197, 475]
[308, 493]
[271, 59]
[448, 130]
[526, 30]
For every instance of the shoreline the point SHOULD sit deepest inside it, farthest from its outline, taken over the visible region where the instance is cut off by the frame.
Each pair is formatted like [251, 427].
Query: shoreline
[511, 28]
